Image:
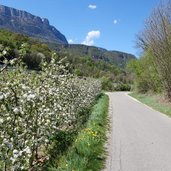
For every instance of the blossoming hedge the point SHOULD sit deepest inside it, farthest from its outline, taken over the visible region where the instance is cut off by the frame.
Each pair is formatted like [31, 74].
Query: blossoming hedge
[34, 106]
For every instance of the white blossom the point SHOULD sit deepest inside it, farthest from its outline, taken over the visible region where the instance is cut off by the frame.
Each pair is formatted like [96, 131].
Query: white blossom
[16, 110]
[31, 97]
[1, 96]
[1, 120]
[27, 150]
[39, 104]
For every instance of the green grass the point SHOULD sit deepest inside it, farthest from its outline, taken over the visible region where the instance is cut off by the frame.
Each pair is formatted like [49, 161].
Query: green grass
[153, 102]
[87, 152]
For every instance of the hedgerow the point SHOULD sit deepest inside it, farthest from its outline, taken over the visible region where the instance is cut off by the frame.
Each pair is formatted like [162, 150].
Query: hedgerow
[37, 105]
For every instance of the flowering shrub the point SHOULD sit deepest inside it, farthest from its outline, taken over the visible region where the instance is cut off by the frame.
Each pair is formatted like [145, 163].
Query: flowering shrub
[34, 106]
[87, 151]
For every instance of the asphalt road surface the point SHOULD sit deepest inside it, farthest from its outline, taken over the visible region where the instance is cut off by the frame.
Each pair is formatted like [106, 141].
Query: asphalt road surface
[140, 138]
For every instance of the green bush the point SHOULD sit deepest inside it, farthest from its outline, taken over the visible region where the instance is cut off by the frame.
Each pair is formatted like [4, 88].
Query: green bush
[122, 87]
[146, 77]
[107, 84]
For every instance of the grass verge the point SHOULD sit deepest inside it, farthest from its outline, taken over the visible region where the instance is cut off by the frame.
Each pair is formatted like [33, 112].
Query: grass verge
[153, 102]
[87, 152]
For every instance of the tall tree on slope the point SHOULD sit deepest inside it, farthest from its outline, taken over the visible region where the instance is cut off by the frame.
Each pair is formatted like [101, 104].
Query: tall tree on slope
[156, 36]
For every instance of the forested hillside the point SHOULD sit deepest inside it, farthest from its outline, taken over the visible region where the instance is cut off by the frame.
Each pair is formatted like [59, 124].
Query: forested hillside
[96, 53]
[84, 65]
[152, 72]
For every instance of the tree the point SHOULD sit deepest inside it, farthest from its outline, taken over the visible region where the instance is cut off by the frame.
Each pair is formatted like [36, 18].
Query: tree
[156, 37]
[146, 77]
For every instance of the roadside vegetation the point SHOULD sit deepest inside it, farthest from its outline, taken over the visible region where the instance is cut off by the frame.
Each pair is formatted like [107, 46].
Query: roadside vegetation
[152, 71]
[154, 101]
[87, 152]
[40, 109]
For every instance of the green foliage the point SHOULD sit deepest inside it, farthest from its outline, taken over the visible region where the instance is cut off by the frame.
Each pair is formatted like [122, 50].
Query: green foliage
[85, 66]
[146, 77]
[122, 87]
[156, 36]
[61, 142]
[12, 39]
[107, 84]
[87, 152]
[31, 50]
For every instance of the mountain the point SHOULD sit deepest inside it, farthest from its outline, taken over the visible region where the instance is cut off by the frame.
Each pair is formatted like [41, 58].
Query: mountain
[95, 53]
[23, 22]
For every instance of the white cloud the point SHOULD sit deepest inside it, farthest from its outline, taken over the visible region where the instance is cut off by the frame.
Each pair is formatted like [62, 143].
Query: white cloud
[70, 41]
[89, 40]
[92, 6]
[115, 21]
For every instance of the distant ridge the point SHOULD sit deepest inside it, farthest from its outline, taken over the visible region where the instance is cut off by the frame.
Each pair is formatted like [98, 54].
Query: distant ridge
[31, 25]
[96, 53]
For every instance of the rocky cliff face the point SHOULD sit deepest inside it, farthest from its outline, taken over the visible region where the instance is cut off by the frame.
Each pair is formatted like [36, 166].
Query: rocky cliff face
[26, 23]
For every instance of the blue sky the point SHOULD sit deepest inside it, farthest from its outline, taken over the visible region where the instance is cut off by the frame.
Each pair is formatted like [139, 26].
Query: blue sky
[110, 24]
